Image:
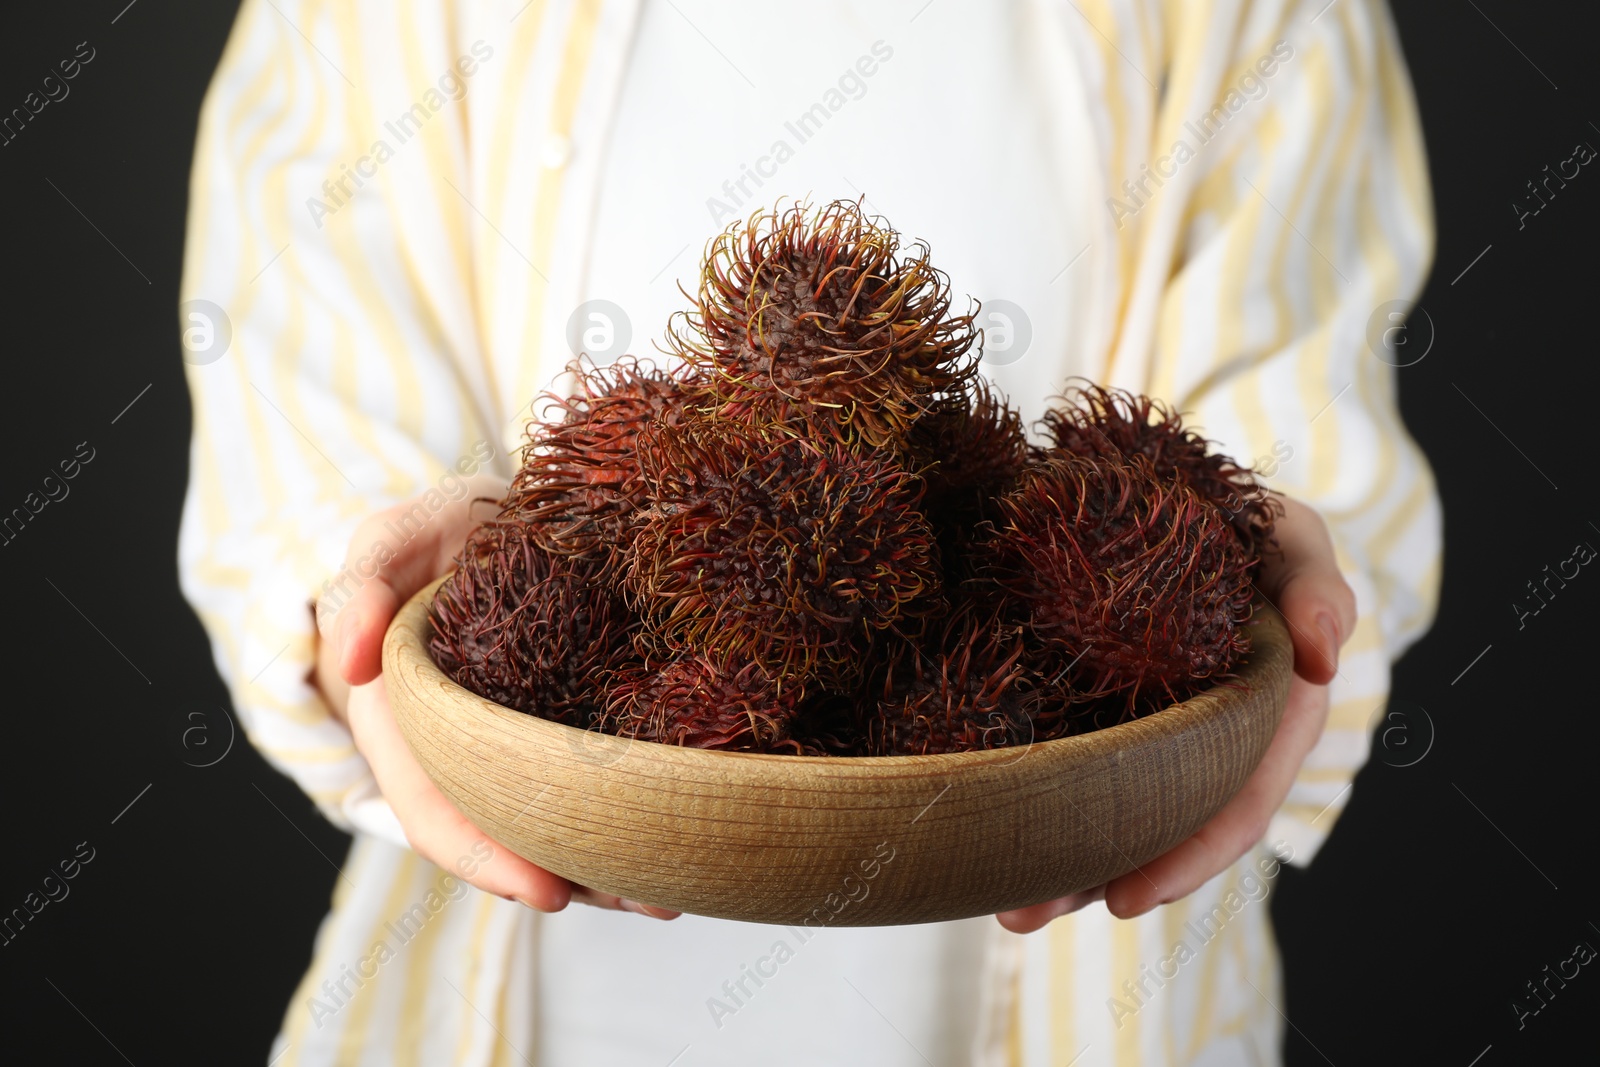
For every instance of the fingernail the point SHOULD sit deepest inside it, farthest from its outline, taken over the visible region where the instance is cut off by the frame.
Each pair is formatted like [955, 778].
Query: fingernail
[645, 909]
[342, 632]
[1330, 637]
[1067, 905]
[525, 902]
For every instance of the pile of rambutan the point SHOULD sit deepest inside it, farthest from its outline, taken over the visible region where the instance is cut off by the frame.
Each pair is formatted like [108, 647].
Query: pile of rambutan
[822, 533]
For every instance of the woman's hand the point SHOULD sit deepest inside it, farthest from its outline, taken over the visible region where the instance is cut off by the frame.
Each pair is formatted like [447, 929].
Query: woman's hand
[349, 672]
[1305, 585]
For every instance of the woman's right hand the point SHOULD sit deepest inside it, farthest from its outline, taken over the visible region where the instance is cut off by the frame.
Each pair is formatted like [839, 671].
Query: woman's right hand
[351, 623]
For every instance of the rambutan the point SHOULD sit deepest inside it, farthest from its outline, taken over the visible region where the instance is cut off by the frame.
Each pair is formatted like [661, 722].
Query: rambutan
[529, 629]
[700, 702]
[1095, 421]
[825, 534]
[816, 319]
[969, 450]
[578, 481]
[779, 550]
[971, 691]
[1126, 582]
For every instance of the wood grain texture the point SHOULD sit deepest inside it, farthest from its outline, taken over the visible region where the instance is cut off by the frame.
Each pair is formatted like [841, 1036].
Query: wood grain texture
[870, 841]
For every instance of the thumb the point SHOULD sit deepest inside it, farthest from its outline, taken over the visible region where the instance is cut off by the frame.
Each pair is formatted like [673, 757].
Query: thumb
[393, 555]
[1304, 583]
[361, 625]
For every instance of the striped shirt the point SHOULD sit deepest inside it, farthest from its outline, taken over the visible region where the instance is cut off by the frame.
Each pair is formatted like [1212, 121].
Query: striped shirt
[393, 205]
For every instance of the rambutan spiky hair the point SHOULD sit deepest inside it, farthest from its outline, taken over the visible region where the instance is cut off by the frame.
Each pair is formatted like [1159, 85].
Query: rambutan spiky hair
[1095, 421]
[971, 691]
[969, 450]
[700, 702]
[816, 318]
[781, 550]
[577, 483]
[1127, 582]
[529, 629]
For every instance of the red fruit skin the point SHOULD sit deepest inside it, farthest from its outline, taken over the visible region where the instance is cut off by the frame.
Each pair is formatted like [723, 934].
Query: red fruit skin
[699, 702]
[969, 691]
[528, 629]
[578, 484]
[786, 552]
[1127, 583]
[969, 450]
[816, 318]
[1095, 421]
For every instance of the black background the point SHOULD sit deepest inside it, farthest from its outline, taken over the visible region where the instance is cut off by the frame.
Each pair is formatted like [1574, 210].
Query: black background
[1448, 884]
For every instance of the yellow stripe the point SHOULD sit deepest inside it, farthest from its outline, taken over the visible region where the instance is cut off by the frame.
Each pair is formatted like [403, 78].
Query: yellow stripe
[503, 1051]
[1014, 1020]
[220, 116]
[495, 301]
[475, 965]
[1205, 1015]
[1064, 994]
[375, 318]
[1126, 1043]
[298, 1014]
[1104, 33]
[1171, 926]
[1315, 384]
[442, 165]
[358, 1035]
[328, 754]
[414, 1017]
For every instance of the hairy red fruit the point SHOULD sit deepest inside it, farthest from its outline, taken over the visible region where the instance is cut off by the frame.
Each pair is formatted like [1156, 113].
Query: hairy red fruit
[578, 482]
[529, 629]
[970, 691]
[969, 450]
[787, 552]
[1128, 583]
[1113, 422]
[699, 702]
[816, 319]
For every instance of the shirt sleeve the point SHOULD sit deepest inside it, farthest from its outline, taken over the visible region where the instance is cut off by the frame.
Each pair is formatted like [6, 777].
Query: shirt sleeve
[1276, 205]
[326, 382]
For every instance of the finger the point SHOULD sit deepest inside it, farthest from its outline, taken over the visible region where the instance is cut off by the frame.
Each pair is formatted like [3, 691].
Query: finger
[1241, 823]
[1027, 920]
[392, 555]
[1304, 583]
[433, 826]
[594, 898]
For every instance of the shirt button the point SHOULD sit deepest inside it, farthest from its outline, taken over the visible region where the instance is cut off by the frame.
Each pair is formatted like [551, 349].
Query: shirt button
[557, 150]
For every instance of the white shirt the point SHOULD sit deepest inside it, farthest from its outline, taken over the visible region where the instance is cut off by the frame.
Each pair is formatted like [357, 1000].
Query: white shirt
[848, 102]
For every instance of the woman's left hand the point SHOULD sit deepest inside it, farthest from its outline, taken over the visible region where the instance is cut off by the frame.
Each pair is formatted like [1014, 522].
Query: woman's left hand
[1306, 586]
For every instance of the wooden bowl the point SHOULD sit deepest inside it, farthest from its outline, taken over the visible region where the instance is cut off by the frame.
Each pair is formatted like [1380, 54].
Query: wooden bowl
[868, 841]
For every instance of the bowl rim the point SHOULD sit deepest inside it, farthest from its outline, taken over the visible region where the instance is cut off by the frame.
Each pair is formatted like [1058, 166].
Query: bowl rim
[405, 648]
